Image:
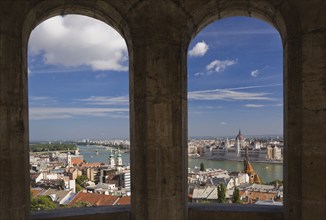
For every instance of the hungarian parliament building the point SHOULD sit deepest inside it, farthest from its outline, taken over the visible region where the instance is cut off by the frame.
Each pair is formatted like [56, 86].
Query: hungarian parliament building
[234, 149]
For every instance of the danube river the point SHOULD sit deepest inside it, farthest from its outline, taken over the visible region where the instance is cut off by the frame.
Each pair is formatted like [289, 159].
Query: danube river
[267, 171]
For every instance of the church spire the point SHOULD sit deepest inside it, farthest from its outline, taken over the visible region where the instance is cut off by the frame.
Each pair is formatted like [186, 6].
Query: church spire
[246, 159]
[111, 159]
[248, 169]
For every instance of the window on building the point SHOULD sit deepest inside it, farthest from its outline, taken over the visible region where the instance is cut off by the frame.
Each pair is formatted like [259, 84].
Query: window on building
[78, 114]
[235, 113]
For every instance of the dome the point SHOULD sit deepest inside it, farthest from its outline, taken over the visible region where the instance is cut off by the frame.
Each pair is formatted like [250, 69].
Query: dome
[111, 156]
[239, 136]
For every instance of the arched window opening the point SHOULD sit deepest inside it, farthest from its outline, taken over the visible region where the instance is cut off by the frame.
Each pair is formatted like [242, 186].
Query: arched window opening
[78, 114]
[235, 113]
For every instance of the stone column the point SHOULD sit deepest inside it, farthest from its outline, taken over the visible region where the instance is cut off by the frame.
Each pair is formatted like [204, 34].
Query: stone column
[313, 163]
[14, 175]
[158, 111]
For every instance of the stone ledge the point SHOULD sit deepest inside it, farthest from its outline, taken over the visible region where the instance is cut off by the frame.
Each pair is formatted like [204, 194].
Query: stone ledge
[228, 211]
[236, 208]
[122, 212]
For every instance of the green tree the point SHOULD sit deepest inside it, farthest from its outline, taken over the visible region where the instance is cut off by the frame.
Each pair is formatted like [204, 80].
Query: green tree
[78, 187]
[62, 185]
[221, 193]
[42, 203]
[204, 202]
[202, 166]
[277, 183]
[80, 204]
[52, 147]
[236, 196]
[81, 180]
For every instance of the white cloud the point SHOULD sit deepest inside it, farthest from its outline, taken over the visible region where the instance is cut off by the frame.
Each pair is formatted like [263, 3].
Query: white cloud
[199, 49]
[120, 116]
[264, 31]
[220, 65]
[103, 100]
[223, 123]
[205, 107]
[40, 113]
[254, 106]
[75, 40]
[101, 76]
[261, 105]
[42, 100]
[66, 70]
[208, 107]
[255, 73]
[199, 74]
[232, 94]
[228, 95]
[254, 87]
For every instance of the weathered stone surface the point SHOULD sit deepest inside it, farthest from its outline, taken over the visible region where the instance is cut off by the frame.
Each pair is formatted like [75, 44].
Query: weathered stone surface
[157, 33]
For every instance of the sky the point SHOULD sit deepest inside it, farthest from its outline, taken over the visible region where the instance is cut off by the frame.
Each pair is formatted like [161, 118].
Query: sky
[78, 80]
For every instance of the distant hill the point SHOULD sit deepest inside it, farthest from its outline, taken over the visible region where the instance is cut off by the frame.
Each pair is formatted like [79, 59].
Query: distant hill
[41, 147]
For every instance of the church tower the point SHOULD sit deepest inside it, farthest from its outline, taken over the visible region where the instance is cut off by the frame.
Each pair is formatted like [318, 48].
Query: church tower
[227, 143]
[111, 159]
[248, 169]
[77, 151]
[69, 164]
[239, 139]
[119, 159]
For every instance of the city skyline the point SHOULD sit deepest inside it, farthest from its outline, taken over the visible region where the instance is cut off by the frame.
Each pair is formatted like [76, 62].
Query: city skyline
[78, 80]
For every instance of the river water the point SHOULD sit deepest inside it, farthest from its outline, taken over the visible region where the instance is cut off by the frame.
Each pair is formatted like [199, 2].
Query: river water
[267, 171]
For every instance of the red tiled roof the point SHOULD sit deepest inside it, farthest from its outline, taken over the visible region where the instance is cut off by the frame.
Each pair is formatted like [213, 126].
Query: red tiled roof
[94, 199]
[36, 192]
[33, 176]
[125, 200]
[76, 161]
[254, 196]
[85, 165]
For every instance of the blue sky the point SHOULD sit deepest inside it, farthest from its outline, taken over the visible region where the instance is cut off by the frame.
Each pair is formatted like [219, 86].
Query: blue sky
[78, 80]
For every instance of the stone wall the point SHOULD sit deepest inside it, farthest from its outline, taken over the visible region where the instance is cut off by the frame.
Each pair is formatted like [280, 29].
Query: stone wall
[158, 33]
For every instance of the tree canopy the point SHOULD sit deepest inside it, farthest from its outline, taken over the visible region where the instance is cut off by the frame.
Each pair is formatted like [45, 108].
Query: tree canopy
[236, 196]
[202, 166]
[51, 147]
[221, 193]
[81, 182]
[42, 203]
[80, 204]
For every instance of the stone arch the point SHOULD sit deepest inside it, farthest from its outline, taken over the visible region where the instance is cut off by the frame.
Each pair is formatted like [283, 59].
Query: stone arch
[183, 20]
[43, 10]
[102, 11]
[283, 16]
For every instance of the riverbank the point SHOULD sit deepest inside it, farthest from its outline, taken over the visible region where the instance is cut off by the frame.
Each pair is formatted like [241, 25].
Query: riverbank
[267, 171]
[241, 160]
